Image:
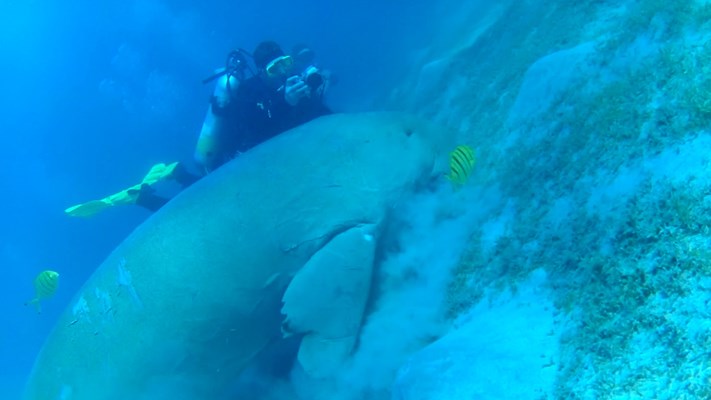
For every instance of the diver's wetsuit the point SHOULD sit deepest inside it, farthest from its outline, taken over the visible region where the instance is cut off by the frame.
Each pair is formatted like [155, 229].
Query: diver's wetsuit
[258, 112]
[255, 114]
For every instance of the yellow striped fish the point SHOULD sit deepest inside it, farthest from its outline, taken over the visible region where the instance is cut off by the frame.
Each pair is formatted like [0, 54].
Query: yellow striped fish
[45, 286]
[461, 164]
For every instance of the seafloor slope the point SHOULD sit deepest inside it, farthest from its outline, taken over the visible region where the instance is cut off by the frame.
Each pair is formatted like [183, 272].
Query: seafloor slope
[591, 121]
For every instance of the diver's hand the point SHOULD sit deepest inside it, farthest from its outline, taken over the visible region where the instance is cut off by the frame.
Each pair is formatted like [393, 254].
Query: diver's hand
[295, 90]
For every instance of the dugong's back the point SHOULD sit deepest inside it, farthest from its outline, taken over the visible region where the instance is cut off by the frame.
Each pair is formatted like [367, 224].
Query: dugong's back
[194, 293]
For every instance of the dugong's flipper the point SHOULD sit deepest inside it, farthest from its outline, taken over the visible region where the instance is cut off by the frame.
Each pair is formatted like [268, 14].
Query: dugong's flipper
[327, 298]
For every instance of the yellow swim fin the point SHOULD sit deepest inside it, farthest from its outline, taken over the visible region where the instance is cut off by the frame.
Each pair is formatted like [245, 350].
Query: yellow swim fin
[156, 174]
[126, 196]
[87, 209]
[159, 172]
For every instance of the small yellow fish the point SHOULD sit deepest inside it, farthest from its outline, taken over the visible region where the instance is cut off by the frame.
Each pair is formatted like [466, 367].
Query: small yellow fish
[45, 286]
[461, 164]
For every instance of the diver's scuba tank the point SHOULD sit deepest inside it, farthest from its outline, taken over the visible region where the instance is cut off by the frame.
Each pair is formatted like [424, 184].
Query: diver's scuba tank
[207, 150]
[213, 132]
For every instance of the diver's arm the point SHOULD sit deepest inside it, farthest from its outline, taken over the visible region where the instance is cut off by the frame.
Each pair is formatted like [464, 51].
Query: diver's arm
[295, 90]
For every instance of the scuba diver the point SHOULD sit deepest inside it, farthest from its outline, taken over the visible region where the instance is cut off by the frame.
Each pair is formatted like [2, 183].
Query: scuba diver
[283, 92]
[276, 98]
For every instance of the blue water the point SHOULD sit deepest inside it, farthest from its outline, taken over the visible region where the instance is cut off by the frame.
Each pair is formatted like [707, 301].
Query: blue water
[94, 93]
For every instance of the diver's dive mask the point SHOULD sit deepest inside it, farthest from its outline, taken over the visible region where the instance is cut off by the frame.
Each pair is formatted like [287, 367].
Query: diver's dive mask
[279, 66]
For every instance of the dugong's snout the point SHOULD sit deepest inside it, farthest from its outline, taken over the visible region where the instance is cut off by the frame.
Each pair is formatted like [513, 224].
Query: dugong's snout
[437, 143]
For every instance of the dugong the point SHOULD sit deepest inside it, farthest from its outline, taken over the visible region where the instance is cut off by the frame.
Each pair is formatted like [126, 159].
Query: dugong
[281, 240]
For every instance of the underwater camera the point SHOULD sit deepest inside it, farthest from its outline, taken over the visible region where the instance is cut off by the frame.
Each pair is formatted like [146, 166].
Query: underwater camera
[312, 77]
